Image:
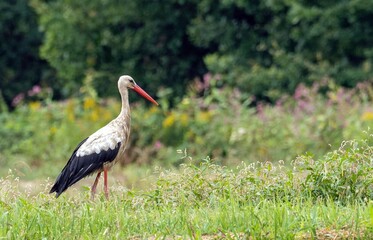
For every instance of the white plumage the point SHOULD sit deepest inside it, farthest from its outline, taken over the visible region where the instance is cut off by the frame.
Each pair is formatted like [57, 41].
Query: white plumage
[104, 139]
[100, 151]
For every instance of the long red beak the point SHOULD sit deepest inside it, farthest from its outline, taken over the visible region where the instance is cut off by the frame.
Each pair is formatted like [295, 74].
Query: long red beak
[140, 91]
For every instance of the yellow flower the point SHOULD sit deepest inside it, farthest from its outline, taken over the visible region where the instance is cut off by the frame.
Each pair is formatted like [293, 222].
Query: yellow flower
[153, 109]
[169, 121]
[70, 110]
[204, 116]
[367, 116]
[151, 112]
[184, 118]
[34, 105]
[53, 130]
[88, 103]
[94, 116]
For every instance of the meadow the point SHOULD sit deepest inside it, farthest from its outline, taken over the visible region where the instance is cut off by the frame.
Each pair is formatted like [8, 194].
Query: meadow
[264, 128]
[325, 198]
[208, 168]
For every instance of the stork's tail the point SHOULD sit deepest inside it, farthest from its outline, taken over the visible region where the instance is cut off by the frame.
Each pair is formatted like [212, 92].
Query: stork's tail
[60, 185]
[82, 166]
[63, 180]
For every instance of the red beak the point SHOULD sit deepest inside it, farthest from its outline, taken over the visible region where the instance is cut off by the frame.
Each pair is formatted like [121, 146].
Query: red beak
[140, 91]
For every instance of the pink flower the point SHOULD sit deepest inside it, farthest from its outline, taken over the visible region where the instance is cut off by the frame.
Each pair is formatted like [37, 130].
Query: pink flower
[206, 81]
[300, 92]
[158, 145]
[207, 77]
[17, 99]
[34, 91]
[260, 111]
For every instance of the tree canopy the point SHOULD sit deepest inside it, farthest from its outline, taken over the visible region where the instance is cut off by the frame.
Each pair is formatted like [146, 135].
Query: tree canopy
[20, 64]
[266, 48]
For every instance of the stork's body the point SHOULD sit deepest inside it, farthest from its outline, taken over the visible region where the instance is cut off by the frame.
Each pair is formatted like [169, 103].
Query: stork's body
[100, 151]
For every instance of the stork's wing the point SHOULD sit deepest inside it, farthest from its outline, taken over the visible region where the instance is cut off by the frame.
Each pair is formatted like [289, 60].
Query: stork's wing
[105, 139]
[85, 161]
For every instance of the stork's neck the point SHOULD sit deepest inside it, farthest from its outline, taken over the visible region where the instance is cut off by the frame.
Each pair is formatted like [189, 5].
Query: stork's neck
[125, 111]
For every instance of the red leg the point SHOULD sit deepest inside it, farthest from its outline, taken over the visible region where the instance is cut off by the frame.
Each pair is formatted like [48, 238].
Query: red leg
[93, 189]
[105, 184]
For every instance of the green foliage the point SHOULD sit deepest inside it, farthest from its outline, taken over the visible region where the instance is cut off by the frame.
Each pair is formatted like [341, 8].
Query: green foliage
[265, 48]
[20, 64]
[268, 47]
[219, 125]
[343, 175]
[110, 38]
[231, 132]
[40, 133]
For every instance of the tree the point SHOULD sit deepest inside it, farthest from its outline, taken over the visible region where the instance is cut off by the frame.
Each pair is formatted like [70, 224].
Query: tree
[267, 48]
[20, 64]
[146, 39]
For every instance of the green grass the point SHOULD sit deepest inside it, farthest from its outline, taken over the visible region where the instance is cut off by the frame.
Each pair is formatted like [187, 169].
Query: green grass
[43, 217]
[327, 198]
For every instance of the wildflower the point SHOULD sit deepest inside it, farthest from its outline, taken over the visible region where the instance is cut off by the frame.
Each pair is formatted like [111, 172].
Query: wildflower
[158, 145]
[204, 116]
[169, 121]
[34, 105]
[367, 116]
[34, 91]
[53, 130]
[70, 110]
[204, 83]
[88, 103]
[151, 112]
[94, 116]
[260, 111]
[17, 99]
[184, 119]
[300, 92]
[153, 109]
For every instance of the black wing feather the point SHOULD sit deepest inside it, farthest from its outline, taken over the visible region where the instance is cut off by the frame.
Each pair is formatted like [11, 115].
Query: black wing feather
[80, 167]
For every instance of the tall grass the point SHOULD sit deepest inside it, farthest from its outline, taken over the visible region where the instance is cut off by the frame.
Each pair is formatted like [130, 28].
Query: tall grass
[329, 197]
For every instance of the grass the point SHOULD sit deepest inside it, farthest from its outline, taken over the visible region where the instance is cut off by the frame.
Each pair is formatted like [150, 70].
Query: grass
[43, 217]
[327, 198]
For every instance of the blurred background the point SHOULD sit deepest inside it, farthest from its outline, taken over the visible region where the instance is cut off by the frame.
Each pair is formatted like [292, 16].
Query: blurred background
[237, 80]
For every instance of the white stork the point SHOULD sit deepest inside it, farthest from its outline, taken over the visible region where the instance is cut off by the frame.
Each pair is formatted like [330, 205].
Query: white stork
[100, 151]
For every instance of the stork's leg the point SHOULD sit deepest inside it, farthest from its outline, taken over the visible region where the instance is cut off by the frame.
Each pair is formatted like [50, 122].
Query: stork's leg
[93, 189]
[105, 184]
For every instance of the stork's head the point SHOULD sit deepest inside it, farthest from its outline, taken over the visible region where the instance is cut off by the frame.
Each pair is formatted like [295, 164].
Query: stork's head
[126, 82]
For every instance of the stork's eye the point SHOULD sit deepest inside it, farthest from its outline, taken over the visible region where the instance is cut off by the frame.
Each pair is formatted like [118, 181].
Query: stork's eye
[131, 81]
